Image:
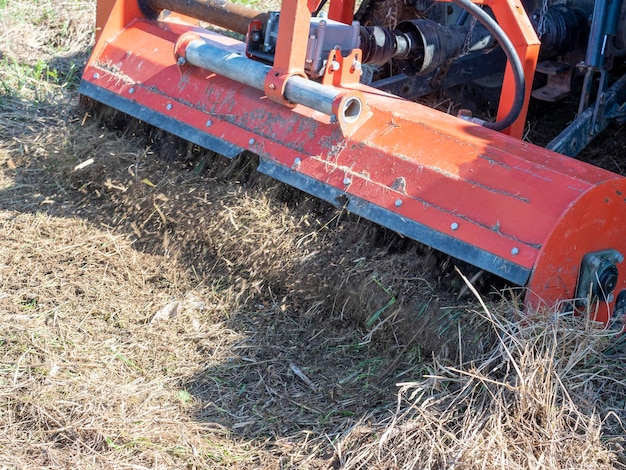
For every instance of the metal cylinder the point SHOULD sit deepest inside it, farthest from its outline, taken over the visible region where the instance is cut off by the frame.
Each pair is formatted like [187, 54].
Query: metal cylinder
[597, 33]
[379, 45]
[217, 12]
[432, 44]
[298, 89]
[562, 28]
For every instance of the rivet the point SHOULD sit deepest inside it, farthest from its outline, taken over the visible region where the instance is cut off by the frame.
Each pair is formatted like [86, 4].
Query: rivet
[515, 251]
[96, 75]
[454, 226]
[347, 181]
[398, 202]
[251, 142]
[169, 106]
[209, 123]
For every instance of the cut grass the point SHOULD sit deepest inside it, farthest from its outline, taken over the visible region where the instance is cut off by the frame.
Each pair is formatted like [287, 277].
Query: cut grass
[530, 403]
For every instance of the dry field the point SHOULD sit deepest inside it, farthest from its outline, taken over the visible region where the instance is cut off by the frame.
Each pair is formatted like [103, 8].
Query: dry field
[162, 308]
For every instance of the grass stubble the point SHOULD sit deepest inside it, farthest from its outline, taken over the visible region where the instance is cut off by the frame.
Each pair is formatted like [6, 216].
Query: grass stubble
[158, 310]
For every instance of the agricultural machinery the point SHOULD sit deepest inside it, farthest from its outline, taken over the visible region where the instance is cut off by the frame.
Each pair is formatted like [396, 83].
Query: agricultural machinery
[326, 93]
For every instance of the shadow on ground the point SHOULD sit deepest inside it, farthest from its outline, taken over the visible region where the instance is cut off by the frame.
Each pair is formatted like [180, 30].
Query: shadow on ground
[302, 318]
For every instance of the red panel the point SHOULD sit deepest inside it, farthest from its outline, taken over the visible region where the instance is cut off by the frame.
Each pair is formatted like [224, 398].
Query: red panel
[594, 222]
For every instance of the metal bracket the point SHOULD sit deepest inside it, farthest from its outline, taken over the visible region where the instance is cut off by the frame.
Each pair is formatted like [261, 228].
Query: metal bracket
[591, 122]
[559, 83]
[598, 276]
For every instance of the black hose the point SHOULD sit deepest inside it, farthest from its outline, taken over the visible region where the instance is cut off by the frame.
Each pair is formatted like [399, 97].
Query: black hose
[509, 50]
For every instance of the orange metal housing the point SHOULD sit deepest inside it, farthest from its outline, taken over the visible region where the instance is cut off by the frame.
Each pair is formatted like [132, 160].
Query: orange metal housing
[519, 211]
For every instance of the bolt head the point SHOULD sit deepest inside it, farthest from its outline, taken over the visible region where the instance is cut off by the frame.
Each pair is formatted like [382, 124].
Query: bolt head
[251, 142]
[209, 123]
[454, 226]
[132, 90]
[347, 181]
[169, 106]
[398, 202]
[515, 251]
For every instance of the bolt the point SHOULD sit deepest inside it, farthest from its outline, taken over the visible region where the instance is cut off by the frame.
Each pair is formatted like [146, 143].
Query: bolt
[209, 123]
[515, 251]
[169, 106]
[296, 163]
[454, 226]
[398, 202]
[465, 114]
[132, 90]
[347, 181]
[251, 142]
[334, 66]
[96, 75]
[181, 61]
[256, 37]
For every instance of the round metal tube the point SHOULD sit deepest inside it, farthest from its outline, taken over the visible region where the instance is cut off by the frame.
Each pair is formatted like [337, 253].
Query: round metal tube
[298, 89]
[227, 63]
[217, 12]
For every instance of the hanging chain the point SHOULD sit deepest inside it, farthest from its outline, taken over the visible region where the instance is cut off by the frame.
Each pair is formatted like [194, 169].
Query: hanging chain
[468, 39]
[541, 25]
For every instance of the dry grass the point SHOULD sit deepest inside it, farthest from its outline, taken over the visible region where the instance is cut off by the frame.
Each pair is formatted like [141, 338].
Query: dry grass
[164, 308]
[546, 396]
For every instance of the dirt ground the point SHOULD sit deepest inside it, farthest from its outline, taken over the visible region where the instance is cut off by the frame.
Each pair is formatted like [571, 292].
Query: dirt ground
[162, 307]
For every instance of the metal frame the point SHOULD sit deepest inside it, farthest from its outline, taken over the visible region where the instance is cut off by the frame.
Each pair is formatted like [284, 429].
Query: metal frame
[522, 212]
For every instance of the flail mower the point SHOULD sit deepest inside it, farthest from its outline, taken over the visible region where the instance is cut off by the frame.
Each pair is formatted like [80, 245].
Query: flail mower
[324, 92]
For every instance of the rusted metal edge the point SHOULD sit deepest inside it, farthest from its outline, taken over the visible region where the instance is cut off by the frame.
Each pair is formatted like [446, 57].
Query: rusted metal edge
[402, 225]
[356, 205]
[156, 119]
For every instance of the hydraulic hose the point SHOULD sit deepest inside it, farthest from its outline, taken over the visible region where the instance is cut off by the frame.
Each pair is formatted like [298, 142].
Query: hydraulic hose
[509, 50]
